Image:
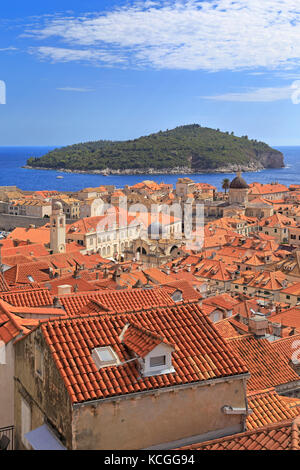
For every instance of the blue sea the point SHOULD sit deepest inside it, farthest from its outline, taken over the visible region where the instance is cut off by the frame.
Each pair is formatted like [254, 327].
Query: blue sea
[13, 158]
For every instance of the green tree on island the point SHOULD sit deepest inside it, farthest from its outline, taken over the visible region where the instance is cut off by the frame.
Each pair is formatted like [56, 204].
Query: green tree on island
[191, 146]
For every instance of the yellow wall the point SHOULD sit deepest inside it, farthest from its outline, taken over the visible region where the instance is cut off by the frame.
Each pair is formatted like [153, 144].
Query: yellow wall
[158, 418]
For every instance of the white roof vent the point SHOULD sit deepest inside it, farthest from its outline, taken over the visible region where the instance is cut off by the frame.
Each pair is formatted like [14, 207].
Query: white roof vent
[105, 357]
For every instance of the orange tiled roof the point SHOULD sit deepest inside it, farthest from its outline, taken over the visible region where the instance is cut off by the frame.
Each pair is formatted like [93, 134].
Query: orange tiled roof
[27, 273]
[277, 220]
[118, 300]
[140, 340]
[214, 269]
[290, 317]
[189, 294]
[259, 188]
[268, 280]
[279, 436]
[268, 368]
[11, 325]
[3, 284]
[15, 321]
[201, 353]
[157, 275]
[268, 407]
[35, 249]
[76, 283]
[226, 328]
[34, 235]
[9, 328]
[294, 289]
[223, 300]
[287, 347]
[28, 298]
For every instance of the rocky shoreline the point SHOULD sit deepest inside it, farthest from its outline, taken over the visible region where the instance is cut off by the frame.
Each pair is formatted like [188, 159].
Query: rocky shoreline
[165, 171]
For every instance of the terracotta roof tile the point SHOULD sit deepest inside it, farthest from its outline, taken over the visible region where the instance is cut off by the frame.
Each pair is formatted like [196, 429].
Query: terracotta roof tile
[28, 298]
[268, 407]
[189, 294]
[268, 368]
[287, 347]
[117, 301]
[140, 340]
[279, 436]
[226, 328]
[201, 353]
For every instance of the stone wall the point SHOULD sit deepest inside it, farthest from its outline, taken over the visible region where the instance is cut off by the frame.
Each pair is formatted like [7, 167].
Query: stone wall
[10, 222]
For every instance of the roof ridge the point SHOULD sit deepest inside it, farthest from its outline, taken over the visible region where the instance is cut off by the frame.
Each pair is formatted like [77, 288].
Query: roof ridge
[148, 309]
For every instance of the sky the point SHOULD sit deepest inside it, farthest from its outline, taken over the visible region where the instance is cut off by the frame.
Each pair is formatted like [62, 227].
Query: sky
[74, 71]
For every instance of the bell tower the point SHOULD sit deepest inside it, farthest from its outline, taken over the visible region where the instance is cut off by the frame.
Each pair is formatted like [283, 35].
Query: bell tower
[57, 229]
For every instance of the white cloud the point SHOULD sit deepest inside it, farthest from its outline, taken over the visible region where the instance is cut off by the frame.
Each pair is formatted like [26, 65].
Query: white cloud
[10, 48]
[58, 54]
[183, 34]
[256, 95]
[79, 90]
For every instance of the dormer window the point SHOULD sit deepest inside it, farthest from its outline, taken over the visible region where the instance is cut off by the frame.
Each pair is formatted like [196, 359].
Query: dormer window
[177, 296]
[157, 361]
[152, 351]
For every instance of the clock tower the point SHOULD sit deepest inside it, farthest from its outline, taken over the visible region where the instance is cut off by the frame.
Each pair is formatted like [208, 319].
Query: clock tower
[57, 229]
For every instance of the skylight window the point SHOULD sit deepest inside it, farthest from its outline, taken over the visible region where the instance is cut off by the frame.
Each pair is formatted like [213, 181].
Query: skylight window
[30, 278]
[105, 357]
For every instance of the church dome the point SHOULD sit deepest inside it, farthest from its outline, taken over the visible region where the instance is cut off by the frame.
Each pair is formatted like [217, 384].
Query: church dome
[57, 206]
[238, 183]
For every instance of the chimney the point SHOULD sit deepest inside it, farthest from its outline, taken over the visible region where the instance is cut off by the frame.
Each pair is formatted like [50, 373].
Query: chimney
[276, 329]
[167, 270]
[258, 325]
[277, 309]
[105, 274]
[117, 275]
[76, 274]
[64, 289]
[56, 303]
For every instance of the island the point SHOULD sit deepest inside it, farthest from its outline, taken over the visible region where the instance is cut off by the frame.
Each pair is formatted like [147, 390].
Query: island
[185, 149]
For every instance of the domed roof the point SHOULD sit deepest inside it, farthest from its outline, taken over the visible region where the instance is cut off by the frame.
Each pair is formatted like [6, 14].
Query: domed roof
[238, 182]
[155, 230]
[57, 206]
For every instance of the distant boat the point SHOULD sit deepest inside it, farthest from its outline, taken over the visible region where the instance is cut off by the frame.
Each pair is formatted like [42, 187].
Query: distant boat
[60, 177]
